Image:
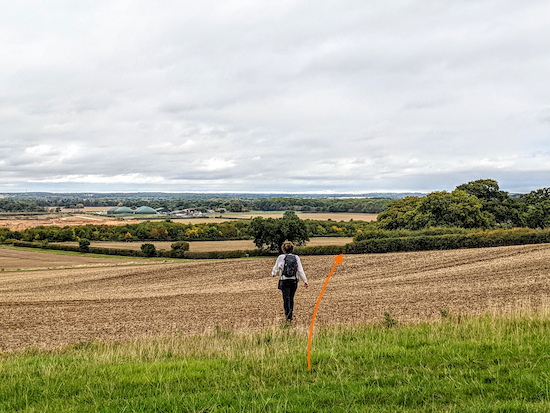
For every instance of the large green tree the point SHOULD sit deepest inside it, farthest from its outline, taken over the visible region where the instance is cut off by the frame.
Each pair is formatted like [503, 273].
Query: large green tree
[271, 233]
[398, 213]
[437, 209]
[507, 211]
[538, 208]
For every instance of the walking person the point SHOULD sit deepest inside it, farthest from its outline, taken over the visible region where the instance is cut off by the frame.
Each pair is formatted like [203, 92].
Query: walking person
[289, 268]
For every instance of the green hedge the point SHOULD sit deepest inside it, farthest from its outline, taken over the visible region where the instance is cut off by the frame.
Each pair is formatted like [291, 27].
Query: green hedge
[320, 250]
[477, 239]
[74, 248]
[136, 253]
[444, 241]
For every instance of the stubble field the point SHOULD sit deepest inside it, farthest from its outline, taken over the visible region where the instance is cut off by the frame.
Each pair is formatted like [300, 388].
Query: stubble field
[54, 308]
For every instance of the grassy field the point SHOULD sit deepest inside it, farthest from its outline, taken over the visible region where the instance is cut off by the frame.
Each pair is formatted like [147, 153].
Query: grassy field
[491, 363]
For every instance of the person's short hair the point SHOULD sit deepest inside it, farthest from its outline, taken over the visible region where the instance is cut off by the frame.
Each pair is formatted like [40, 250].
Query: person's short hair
[287, 247]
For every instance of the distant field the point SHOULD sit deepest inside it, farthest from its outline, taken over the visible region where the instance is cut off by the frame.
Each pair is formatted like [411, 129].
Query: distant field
[88, 209]
[83, 219]
[15, 259]
[202, 246]
[321, 216]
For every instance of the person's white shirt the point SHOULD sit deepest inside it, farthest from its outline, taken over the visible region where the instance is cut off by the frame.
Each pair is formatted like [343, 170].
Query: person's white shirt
[280, 264]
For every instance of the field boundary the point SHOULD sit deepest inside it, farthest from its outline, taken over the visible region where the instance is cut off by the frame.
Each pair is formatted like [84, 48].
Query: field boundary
[481, 239]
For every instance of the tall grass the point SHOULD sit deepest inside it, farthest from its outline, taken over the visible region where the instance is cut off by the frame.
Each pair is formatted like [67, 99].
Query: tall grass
[492, 363]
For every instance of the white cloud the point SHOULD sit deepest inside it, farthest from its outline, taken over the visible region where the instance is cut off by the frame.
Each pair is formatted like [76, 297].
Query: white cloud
[216, 164]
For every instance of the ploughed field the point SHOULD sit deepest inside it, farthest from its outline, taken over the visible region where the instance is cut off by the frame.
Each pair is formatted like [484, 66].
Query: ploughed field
[52, 308]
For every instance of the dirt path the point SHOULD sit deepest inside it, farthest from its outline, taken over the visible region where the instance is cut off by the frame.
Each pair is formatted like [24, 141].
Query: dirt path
[55, 308]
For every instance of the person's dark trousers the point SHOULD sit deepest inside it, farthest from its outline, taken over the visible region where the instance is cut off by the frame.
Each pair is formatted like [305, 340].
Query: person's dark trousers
[289, 289]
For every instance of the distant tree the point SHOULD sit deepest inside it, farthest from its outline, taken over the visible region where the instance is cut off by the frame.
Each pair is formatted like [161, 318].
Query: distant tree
[273, 232]
[398, 213]
[538, 215]
[537, 196]
[484, 189]
[84, 245]
[149, 250]
[158, 233]
[454, 209]
[180, 246]
[507, 211]
[236, 206]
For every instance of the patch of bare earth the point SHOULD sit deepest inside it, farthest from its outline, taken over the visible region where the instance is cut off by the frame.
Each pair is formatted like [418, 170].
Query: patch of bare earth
[55, 308]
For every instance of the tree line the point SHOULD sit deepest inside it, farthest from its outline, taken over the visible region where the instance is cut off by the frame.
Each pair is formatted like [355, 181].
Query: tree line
[174, 231]
[476, 204]
[9, 205]
[360, 205]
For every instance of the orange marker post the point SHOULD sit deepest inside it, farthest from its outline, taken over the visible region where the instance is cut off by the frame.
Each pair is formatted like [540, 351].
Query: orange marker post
[338, 260]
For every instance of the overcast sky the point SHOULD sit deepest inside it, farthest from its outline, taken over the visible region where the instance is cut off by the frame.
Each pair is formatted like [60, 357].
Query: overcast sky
[273, 96]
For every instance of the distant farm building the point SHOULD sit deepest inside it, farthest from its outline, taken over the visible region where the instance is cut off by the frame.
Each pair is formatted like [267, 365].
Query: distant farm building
[123, 211]
[145, 210]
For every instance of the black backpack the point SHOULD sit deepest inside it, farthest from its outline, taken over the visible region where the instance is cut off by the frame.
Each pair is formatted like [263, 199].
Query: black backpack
[291, 266]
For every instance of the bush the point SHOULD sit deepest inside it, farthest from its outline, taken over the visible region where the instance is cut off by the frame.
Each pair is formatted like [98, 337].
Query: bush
[320, 250]
[83, 245]
[149, 250]
[215, 255]
[180, 246]
[178, 249]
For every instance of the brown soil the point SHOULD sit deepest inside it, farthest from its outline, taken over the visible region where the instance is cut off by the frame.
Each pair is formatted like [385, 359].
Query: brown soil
[54, 308]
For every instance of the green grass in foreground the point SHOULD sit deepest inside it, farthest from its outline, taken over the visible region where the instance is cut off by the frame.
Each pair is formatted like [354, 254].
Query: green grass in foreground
[485, 364]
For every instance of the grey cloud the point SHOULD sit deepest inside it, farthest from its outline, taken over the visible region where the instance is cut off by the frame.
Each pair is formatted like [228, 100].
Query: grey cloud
[360, 96]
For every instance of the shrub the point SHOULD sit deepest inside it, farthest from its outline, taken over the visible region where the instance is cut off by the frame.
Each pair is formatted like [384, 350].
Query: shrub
[149, 250]
[83, 245]
[180, 246]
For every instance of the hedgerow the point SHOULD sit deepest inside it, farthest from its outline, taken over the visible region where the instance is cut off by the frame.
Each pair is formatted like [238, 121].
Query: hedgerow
[443, 239]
